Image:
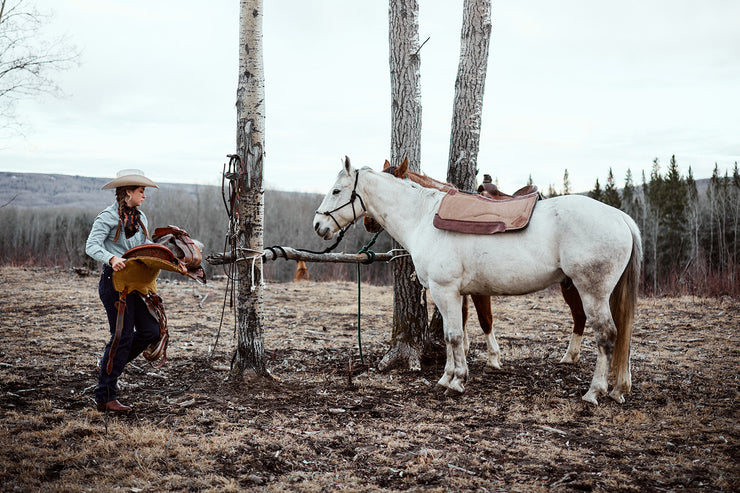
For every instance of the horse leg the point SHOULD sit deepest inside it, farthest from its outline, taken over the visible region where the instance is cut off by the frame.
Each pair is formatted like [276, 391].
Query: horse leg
[449, 304]
[466, 336]
[573, 299]
[485, 317]
[598, 312]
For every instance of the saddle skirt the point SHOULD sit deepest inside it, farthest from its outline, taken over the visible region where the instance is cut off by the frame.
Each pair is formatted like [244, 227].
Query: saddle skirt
[476, 214]
[143, 264]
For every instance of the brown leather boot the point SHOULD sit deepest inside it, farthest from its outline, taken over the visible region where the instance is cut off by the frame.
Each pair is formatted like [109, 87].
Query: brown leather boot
[113, 406]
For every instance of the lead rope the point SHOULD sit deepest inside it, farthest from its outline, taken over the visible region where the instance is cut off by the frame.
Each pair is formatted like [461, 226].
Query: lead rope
[370, 258]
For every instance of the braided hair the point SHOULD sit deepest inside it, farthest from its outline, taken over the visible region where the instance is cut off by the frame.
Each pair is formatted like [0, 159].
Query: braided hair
[129, 218]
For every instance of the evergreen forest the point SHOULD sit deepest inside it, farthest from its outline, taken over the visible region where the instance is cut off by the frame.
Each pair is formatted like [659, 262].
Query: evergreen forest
[689, 236]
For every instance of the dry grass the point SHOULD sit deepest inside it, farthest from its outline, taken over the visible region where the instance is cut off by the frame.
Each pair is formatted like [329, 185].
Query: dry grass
[524, 428]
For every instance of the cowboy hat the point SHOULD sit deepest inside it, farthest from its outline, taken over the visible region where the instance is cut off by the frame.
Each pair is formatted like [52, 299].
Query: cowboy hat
[130, 178]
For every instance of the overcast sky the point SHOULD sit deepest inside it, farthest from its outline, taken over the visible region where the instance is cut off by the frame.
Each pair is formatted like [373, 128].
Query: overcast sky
[573, 84]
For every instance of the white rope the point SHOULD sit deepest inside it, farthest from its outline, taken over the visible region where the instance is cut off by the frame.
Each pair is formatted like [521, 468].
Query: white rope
[257, 254]
[401, 255]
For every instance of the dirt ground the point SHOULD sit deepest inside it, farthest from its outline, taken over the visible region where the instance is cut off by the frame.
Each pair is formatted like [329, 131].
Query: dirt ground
[328, 422]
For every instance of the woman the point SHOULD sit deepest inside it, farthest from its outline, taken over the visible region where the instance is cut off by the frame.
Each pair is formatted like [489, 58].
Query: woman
[117, 229]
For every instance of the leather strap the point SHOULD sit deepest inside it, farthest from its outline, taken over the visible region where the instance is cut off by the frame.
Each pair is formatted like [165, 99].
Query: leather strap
[157, 350]
[121, 305]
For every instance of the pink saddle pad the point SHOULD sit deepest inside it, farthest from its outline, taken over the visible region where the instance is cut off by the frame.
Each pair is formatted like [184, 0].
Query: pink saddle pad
[474, 214]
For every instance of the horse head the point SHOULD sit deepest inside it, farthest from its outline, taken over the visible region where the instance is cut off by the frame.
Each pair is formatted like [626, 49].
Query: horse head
[371, 225]
[342, 205]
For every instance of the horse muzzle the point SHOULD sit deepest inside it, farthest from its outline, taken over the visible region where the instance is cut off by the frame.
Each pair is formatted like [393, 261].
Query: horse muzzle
[323, 227]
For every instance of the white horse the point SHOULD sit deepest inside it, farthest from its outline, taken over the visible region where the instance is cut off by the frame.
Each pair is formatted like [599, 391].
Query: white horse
[598, 247]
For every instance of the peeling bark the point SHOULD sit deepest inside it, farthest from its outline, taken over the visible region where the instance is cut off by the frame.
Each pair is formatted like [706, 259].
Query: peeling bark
[250, 127]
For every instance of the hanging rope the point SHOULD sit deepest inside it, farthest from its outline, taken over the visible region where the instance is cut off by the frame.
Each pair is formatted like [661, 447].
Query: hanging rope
[232, 181]
[370, 259]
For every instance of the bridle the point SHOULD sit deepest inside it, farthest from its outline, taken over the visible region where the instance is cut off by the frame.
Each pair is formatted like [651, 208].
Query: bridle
[351, 202]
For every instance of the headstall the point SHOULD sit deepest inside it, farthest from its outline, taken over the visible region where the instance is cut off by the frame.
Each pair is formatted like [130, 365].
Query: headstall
[351, 202]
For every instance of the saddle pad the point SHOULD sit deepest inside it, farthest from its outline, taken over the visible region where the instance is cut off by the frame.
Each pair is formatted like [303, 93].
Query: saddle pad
[474, 214]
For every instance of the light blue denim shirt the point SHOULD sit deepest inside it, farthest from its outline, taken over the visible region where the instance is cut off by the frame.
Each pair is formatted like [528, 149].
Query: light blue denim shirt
[100, 244]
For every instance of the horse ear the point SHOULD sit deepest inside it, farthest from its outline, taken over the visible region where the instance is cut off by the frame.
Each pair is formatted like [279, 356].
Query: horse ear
[401, 170]
[347, 166]
[386, 165]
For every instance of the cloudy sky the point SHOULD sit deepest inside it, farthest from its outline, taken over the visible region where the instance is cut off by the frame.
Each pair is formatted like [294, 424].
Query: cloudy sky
[573, 84]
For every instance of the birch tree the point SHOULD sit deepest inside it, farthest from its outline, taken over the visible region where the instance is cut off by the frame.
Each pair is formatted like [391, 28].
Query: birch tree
[409, 332]
[250, 110]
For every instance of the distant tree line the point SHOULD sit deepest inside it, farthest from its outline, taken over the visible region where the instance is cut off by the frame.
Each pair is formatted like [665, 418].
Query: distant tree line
[55, 236]
[689, 233]
[690, 239]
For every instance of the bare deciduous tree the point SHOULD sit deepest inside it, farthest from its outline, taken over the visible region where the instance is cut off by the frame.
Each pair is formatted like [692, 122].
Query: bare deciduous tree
[470, 84]
[250, 109]
[409, 331]
[28, 57]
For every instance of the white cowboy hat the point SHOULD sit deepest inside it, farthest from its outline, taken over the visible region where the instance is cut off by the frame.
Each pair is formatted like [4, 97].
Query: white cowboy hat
[130, 178]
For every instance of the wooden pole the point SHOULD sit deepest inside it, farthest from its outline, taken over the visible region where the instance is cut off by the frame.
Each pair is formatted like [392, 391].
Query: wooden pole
[289, 253]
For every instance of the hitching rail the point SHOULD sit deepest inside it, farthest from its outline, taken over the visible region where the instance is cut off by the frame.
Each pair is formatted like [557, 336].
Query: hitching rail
[288, 253]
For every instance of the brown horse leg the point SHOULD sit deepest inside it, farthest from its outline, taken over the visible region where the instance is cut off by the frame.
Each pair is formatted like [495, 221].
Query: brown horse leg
[485, 317]
[573, 299]
[466, 338]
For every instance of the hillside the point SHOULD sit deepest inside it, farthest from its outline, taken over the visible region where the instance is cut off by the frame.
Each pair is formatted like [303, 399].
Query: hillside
[51, 190]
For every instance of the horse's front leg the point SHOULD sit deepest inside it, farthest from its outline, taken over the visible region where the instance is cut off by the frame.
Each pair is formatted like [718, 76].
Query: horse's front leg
[449, 304]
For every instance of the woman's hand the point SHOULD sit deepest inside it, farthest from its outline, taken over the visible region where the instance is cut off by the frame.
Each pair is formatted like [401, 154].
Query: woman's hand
[117, 263]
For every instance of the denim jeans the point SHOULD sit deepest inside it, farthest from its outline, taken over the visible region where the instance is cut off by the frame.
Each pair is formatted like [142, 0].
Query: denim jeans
[140, 329]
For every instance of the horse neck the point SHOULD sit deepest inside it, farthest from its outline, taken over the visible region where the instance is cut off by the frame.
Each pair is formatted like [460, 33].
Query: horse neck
[396, 205]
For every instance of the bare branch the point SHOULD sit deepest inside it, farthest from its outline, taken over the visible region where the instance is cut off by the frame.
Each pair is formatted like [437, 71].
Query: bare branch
[29, 56]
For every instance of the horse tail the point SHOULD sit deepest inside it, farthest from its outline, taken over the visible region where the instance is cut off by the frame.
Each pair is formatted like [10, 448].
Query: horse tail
[623, 302]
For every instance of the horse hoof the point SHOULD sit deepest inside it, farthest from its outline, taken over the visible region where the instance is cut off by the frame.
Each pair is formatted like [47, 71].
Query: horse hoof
[456, 386]
[493, 364]
[590, 398]
[617, 396]
[569, 359]
[444, 382]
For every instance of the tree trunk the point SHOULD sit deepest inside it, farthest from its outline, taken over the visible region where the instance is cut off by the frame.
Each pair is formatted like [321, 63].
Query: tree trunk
[467, 112]
[469, 87]
[249, 140]
[409, 297]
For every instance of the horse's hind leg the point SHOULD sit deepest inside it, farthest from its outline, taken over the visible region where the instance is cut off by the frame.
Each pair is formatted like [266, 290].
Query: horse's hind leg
[598, 312]
[485, 317]
[573, 299]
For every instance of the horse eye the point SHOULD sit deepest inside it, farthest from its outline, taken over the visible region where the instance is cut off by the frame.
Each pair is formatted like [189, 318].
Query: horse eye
[336, 191]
